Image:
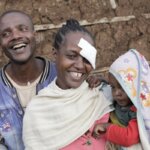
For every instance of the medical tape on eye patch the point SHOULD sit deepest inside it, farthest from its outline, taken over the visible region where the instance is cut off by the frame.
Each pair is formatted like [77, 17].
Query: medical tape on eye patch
[88, 51]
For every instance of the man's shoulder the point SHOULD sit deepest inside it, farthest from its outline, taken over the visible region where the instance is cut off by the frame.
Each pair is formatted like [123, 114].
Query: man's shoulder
[49, 72]
[45, 60]
[2, 74]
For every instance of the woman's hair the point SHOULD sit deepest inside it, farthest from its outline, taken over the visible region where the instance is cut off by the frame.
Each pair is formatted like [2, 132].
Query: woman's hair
[71, 25]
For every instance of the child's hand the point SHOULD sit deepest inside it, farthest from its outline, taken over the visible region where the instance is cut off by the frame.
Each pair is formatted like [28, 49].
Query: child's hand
[100, 129]
[93, 81]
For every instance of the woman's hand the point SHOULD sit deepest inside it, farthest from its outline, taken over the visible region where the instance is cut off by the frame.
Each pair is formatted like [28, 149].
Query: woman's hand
[93, 81]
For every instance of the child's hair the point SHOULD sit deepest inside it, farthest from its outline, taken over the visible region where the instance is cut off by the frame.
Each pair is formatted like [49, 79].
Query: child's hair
[71, 25]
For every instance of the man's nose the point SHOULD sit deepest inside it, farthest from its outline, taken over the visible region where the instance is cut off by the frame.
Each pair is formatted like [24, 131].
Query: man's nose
[16, 34]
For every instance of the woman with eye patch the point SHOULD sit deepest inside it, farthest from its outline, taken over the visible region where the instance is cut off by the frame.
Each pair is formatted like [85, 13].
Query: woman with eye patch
[63, 115]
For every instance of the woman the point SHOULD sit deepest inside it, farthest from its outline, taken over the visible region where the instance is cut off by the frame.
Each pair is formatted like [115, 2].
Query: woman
[64, 114]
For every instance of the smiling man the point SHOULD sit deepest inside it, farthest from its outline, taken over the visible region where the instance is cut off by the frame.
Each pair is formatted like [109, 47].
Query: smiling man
[22, 77]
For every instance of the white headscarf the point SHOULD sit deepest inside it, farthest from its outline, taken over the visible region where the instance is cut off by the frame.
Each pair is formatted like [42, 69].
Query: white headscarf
[133, 73]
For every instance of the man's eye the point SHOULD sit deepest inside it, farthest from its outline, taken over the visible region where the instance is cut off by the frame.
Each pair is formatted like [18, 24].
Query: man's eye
[23, 28]
[5, 34]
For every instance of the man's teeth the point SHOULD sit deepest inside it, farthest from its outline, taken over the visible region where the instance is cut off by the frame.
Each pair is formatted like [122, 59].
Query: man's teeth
[19, 45]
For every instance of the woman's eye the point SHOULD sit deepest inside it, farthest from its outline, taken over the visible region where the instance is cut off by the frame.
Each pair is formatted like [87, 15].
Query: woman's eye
[86, 61]
[71, 56]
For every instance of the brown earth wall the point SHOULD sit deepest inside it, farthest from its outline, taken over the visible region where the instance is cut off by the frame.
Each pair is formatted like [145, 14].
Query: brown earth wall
[117, 25]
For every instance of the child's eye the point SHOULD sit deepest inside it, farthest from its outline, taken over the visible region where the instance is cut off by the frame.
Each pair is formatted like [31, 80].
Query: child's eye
[112, 86]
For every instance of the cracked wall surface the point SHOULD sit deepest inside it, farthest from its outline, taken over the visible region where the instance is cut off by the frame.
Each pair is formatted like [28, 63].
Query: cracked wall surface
[117, 25]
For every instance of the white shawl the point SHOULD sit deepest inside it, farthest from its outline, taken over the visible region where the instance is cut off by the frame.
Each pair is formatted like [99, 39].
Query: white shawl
[56, 117]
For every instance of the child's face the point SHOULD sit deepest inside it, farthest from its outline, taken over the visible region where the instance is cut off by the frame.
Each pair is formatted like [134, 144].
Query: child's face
[118, 93]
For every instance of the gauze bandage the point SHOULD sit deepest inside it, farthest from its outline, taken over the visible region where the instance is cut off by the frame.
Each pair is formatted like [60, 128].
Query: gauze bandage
[88, 51]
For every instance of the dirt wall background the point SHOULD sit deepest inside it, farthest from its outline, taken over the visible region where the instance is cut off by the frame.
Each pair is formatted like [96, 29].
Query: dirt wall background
[117, 25]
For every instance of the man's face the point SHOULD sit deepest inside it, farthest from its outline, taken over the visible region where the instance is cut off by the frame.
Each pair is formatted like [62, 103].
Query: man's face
[72, 68]
[17, 37]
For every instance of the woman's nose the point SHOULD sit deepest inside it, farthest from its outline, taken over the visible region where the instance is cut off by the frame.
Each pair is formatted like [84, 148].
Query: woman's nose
[80, 63]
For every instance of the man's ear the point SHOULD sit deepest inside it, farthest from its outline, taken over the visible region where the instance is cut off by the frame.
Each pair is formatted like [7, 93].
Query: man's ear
[54, 53]
[35, 33]
[38, 37]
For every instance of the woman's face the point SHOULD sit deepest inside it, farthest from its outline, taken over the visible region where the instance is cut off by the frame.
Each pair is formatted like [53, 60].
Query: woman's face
[118, 93]
[72, 68]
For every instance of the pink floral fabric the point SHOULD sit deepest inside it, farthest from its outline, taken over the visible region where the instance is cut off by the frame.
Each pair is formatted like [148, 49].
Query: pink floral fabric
[87, 141]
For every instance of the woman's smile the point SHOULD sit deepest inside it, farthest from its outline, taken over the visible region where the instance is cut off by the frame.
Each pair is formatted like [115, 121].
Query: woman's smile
[76, 75]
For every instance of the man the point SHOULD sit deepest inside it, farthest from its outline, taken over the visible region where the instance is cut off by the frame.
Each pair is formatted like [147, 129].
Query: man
[22, 77]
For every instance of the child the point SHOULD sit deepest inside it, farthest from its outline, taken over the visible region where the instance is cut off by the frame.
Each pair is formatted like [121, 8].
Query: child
[129, 77]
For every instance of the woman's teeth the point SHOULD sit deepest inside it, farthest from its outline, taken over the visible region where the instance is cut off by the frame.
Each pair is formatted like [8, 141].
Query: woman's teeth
[76, 74]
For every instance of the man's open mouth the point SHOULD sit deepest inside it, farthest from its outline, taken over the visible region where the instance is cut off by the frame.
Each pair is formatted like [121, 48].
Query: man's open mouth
[19, 46]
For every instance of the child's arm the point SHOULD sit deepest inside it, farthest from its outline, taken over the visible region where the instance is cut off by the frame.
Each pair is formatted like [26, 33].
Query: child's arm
[124, 136]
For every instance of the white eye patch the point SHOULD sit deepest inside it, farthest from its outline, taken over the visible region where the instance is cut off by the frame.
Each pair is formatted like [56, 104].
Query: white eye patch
[88, 51]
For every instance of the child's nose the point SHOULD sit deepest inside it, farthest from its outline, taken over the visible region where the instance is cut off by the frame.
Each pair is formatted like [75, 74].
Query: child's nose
[117, 92]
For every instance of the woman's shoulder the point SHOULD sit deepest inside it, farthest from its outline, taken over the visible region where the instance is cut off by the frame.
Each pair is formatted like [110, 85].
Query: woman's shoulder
[105, 88]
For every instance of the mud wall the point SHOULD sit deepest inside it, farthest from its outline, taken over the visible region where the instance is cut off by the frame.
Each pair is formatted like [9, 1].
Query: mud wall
[117, 25]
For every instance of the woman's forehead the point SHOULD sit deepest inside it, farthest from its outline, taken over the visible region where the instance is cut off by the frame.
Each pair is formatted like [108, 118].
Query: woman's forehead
[74, 38]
